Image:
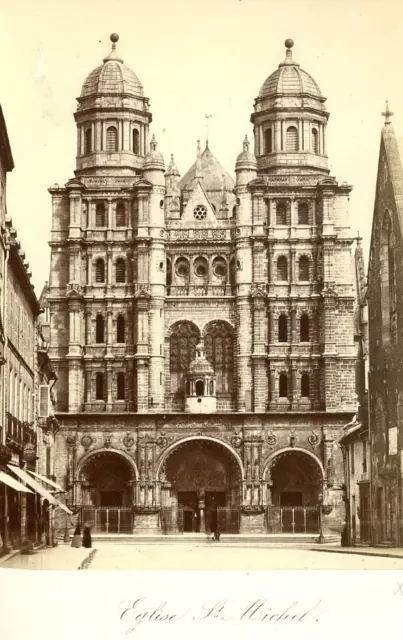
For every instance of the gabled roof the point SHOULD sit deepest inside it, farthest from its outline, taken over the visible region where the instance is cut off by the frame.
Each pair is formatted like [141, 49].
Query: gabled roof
[212, 172]
[5, 149]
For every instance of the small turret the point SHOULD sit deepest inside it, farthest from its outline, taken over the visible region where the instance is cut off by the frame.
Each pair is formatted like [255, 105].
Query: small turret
[172, 199]
[200, 392]
[154, 166]
[246, 164]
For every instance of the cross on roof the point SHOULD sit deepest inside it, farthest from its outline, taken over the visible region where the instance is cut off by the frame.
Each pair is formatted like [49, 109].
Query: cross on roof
[387, 113]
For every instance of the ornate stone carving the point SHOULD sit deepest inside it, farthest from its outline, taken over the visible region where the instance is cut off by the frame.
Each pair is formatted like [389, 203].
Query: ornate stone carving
[107, 440]
[292, 439]
[86, 441]
[313, 439]
[236, 440]
[128, 440]
[252, 508]
[71, 440]
[272, 439]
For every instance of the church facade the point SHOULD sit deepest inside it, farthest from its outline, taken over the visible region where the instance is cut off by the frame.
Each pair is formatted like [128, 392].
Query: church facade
[202, 328]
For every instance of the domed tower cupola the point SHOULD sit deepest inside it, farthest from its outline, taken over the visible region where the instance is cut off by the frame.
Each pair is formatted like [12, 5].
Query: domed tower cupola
[246, 165]
[290, 120]
[154, 166]
[200, 388]
[112, 119]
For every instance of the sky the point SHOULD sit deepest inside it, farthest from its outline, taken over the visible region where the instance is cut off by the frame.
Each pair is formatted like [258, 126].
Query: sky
[194, 59]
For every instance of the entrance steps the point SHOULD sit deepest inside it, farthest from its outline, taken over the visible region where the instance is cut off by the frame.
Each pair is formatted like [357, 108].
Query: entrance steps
[197, 539]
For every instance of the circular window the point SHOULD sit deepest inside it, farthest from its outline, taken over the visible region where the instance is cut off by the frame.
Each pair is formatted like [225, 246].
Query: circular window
[219, 268]
[182, 268]
[201, 267]
[200, 212]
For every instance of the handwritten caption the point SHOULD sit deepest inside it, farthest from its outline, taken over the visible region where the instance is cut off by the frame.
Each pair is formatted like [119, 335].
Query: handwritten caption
[143, 611]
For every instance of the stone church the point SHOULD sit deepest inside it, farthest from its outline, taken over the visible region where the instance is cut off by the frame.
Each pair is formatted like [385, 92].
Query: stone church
[202, 327]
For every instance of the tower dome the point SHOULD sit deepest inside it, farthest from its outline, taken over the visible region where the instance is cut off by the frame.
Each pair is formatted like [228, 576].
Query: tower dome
[290, 80]
[112, 77]
[290, 120]
[113, 118]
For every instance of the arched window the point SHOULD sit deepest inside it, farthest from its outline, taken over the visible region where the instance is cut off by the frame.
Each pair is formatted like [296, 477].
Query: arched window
[281, 213]
[315, 141]
[268, 141]
[99, 386]
[282, 269]
[303, 269]
[388, 279]
[99, 329]
[88, 141]
[304, 328]
[219, 345]
[305, 385]
[136, 142]
[111, 139]
[120, 329]
[303, 213]
[232, 275]
[283, 385]
[169, 276]
[100, 270]
[120, 386]
[282, 328]
[100, 215]
[120, 270]
[199, 388]
[291, 143]
[120, 215]
[182, 350]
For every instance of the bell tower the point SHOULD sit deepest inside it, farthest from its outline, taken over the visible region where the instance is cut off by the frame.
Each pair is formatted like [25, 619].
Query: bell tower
[290, 120]
[112, 120]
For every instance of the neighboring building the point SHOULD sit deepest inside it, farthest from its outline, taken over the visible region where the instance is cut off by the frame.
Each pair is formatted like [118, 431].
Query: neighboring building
[355, 441]
[385, 313]
[24, 512]
[202, 329]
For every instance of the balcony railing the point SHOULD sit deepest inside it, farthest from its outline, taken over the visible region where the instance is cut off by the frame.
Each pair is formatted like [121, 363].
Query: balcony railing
[200, 291]
[19, 433]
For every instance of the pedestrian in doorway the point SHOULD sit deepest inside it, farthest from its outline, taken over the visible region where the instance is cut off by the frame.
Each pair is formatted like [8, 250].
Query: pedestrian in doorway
[217, 532]
[87, 541]
[76, 542]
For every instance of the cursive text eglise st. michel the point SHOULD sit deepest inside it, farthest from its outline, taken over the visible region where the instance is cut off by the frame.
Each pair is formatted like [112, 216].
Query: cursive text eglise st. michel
[143, 611]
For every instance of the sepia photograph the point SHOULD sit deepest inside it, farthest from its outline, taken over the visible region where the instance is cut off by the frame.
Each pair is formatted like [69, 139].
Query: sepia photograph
[201, 313]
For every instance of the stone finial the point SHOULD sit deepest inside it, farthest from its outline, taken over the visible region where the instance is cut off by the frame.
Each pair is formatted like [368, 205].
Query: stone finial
[153, 143]
[387, 113]
[289, 43]
[113, 55]
[246, 144]
[172, 168]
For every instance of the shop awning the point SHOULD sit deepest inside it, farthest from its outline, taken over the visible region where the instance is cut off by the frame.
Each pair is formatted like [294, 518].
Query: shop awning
[14, 484]
[38, 488]
[47, 481]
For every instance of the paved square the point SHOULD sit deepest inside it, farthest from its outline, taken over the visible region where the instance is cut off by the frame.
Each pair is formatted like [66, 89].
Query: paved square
[216, 556]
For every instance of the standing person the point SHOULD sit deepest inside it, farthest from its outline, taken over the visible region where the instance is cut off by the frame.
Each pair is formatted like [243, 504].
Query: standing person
[87, 541]
[76, 542]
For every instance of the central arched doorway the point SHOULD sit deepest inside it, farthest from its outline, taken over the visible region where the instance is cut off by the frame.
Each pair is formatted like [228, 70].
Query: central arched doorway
[295, 481]
[107, 479]
[200, 488]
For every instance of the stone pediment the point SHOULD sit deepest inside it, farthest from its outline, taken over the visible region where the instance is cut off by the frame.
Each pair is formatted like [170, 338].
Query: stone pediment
[74, 184]
[142, 184]
[258, 183]
[198, 212]
[73, 291]
[258, 292]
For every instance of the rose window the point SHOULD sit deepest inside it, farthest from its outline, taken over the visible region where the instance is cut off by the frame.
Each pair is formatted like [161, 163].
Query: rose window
[200, 212]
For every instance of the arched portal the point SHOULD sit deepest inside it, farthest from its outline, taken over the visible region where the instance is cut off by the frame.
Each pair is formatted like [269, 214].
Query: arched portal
[295, 481]
[201, 482]
[107, 479]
